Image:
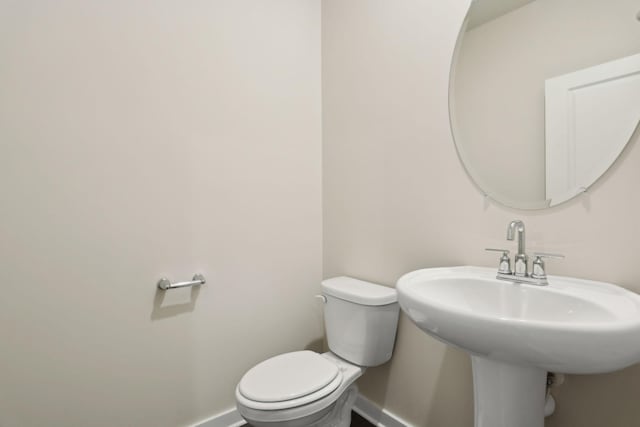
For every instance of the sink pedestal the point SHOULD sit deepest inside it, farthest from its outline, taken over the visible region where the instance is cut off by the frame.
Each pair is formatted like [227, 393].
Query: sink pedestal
[507, 395]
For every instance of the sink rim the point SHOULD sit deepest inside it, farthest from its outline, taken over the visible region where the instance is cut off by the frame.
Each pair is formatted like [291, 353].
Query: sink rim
[582, 347]
[560, 285]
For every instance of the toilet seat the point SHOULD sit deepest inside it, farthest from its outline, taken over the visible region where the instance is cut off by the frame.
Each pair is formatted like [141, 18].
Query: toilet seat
[306, 410]
[289, 380]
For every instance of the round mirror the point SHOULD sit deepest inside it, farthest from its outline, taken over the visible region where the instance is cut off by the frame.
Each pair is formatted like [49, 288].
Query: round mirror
[544, 95]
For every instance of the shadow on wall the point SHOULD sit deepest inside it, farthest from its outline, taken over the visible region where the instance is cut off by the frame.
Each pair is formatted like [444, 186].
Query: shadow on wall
[317, 345]
[448, 401]
[452, 403]
[374, 384]
[174, 302]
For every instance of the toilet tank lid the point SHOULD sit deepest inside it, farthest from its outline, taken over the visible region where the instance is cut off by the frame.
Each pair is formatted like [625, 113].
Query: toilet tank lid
[359, 291]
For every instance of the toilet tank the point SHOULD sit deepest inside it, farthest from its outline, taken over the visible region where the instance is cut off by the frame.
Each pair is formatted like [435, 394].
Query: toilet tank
[360, 319]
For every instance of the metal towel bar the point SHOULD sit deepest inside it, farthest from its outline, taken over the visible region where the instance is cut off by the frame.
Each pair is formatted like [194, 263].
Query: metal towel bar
[165, 283]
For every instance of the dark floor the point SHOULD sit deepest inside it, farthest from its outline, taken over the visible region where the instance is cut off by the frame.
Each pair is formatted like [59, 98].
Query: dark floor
[356, 421]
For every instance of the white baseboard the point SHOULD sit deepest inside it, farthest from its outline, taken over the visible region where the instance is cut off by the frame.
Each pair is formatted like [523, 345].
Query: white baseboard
[229, 418]
[377, 416]
[367, 409]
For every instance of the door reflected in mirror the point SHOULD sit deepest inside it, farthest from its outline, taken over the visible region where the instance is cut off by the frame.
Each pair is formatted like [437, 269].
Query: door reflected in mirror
[544, 95]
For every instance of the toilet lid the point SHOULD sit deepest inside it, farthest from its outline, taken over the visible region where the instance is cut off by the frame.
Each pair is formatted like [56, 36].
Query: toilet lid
[289, 376]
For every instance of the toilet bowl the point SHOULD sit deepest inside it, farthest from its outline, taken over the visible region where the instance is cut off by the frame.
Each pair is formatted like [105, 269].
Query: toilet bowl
[316, 389]
[308, 389]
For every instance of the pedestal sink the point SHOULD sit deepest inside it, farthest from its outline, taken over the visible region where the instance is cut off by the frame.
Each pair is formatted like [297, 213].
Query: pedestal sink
[515, 333]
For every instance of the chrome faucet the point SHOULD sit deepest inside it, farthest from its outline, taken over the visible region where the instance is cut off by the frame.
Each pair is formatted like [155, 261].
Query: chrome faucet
[520, 260]
[520, 273]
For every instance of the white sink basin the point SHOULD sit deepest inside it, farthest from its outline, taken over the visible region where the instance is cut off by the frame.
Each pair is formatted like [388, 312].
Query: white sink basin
[571, 325]
[515, 333]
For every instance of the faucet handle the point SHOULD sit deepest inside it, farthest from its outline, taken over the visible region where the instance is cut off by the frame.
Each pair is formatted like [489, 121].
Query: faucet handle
[538, 271]
[497, 250]
[547, 255]
[505, 262]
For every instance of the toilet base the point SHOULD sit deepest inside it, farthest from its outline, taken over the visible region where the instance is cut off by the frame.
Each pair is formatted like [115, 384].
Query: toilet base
[336, 415]
[340, 416]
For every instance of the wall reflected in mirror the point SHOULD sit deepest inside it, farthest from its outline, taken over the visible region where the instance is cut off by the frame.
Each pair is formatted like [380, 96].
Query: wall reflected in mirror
[544, 95]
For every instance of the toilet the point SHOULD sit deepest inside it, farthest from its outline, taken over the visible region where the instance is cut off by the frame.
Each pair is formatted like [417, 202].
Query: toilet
[308, 389]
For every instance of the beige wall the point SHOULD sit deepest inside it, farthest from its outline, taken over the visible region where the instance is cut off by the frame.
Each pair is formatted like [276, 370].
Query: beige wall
[144, 139]
[499, 84]
[397, 199]
[140, 139]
